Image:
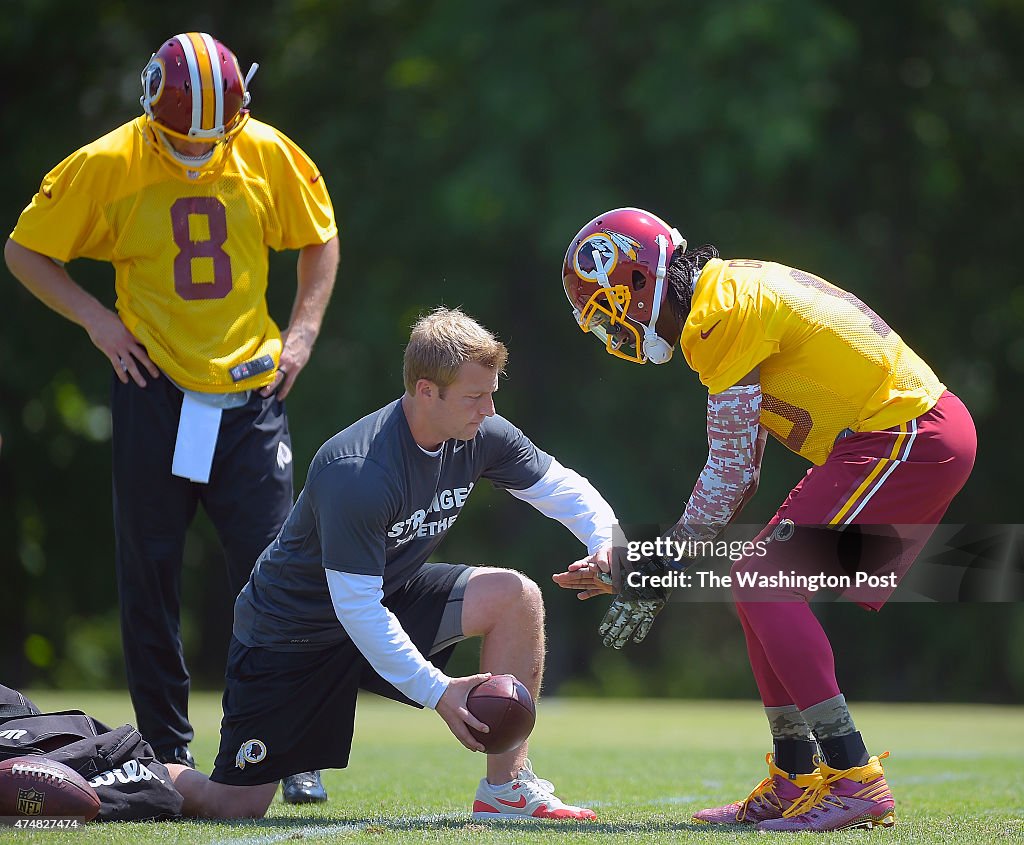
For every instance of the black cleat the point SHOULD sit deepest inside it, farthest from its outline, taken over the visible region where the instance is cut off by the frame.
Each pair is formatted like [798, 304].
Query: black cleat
[303, 788]
[175, 754]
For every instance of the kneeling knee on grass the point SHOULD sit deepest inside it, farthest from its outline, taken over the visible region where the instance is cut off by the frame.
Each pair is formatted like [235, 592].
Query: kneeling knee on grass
[207, 799]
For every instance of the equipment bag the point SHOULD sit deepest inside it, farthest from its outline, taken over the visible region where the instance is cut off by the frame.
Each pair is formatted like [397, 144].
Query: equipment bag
[118, 763]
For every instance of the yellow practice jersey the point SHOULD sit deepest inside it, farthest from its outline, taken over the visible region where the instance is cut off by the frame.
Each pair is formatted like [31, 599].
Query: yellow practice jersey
[190, 257]
[828, 362]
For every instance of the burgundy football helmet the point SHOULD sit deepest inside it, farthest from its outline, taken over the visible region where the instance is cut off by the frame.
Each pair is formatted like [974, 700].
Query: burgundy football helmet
[614, 276]
[193, 90]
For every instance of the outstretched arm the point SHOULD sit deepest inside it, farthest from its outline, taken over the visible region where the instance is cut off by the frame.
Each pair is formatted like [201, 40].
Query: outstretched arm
[382, 640]
[567, 496]
[721, 490]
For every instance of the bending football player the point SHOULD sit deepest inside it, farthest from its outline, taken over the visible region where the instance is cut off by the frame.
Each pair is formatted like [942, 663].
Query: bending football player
[784, 352]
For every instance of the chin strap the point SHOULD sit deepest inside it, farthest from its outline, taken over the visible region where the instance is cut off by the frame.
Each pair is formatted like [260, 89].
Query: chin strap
[248, 77]
[656, 349]
[190, 162]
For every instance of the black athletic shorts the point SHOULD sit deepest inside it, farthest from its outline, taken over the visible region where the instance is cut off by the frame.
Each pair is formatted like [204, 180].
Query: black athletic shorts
[294, 711]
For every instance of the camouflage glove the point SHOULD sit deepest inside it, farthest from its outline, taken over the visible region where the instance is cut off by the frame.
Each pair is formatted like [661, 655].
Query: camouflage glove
[632, 612]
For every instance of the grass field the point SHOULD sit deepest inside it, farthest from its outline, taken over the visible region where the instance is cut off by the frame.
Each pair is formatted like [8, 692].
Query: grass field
[957, 773]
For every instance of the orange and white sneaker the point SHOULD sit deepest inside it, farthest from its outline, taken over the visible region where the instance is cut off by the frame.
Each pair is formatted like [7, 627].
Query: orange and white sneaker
[768, 800]
[845, 799]
[528, 797]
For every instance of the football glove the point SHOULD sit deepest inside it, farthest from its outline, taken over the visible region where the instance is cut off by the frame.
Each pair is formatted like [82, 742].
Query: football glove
[632, 612]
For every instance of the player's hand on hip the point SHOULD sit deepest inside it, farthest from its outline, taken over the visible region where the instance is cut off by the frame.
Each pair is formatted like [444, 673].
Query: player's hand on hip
[452, 708]
[592, 575]
[295, 354]
[126, 355]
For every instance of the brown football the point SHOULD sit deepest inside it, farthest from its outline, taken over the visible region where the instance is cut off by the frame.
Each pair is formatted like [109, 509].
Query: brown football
[37, 786]
[506, 707]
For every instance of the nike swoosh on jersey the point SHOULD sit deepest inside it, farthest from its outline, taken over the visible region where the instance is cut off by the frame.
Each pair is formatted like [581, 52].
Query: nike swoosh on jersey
[46, 192]
[518, 805]
[314, 178]
[705, 335]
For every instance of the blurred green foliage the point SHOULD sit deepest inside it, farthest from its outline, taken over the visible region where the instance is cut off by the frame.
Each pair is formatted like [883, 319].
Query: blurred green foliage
[877, 144]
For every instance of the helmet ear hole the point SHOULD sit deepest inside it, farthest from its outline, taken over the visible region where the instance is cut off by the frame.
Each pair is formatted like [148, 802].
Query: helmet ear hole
[639, 280]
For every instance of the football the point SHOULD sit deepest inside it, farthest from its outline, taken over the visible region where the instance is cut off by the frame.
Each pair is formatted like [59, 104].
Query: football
[37, 786]
[506, 707]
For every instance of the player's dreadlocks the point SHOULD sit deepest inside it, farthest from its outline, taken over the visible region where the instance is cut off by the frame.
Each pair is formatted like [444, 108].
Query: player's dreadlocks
[682, 273]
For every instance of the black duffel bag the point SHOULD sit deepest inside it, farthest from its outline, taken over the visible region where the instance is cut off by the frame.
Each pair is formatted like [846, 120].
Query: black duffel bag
[118, 763]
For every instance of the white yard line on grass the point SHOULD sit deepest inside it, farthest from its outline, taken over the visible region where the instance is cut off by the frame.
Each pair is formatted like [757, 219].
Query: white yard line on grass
[318, 831]
[940, 777]
[322, 831]
[679, 799]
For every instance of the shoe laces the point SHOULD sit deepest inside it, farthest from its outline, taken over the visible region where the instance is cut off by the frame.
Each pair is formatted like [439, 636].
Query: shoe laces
[760, 795]
[534, 783]
[821, 795]
[816, 797]
[307, 779]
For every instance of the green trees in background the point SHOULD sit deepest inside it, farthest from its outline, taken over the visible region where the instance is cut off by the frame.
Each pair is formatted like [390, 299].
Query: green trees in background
[464, 144]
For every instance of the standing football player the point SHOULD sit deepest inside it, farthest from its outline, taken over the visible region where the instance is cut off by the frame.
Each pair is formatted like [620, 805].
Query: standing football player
[184, 201]
[784, 352]
[345, 599]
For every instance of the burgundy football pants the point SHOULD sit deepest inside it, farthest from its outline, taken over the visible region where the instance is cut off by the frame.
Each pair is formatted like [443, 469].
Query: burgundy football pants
[904, 478]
